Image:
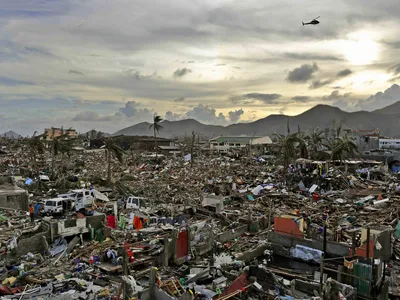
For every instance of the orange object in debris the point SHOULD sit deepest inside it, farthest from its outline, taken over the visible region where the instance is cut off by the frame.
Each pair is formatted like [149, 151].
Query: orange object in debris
[137, 223]
[380, 197]
[290, 225]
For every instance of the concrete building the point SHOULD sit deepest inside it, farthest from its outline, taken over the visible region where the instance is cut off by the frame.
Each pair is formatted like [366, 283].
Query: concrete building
[11, 196]
[225, 143]
[134, 142]
[389, 143]
[365, 139]
[52, 133]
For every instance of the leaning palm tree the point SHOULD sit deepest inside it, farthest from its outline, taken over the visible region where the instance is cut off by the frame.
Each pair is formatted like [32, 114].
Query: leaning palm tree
[55, 146]
[287, 148]
[156, 129]
[112, 149]
[36, 148]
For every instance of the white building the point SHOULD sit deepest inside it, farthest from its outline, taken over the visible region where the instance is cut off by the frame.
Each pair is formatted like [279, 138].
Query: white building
[224, 143]
[389, 143]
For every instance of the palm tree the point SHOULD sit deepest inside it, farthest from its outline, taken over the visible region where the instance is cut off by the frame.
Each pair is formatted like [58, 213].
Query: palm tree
[287, 147]
[156, 129]
[112, 149]
[36, 148]
[315, 141]
[343, 148]
[302, 143]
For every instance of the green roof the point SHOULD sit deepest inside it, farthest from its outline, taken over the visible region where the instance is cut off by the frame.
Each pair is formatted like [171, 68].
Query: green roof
[233, 139]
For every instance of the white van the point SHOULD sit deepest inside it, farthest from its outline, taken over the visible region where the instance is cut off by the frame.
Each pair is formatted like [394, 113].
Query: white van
[82, 197]
[134, 202]
[54, 205]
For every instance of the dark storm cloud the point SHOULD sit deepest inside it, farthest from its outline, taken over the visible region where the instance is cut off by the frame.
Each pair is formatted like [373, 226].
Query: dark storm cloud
[251, 97]
[300, 98]
[344, 73]
[309, 56]
[181, 72]
[303, 73]
[319, 83]
[75, 72]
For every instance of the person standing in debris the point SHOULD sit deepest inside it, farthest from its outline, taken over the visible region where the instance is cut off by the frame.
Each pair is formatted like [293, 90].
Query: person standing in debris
[31, 210]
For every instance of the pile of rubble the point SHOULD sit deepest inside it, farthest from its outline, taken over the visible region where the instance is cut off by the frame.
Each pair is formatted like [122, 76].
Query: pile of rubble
[218, 229]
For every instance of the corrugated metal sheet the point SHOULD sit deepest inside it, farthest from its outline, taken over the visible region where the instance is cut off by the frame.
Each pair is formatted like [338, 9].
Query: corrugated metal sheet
[363, 271]
[238, 284]
[183, 245]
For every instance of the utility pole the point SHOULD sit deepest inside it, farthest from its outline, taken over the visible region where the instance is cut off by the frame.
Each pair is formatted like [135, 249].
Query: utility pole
[192, 148]
[321, 277]
[125, 272]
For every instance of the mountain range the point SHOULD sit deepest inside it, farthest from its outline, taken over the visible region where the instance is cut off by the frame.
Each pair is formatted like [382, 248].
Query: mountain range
[387, 120]
[10, 135]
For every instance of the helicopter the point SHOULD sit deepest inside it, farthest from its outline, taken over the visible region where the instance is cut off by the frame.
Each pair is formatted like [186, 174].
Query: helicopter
[313, 22]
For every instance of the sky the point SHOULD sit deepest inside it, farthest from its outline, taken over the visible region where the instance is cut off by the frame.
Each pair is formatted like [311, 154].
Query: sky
[109, 64]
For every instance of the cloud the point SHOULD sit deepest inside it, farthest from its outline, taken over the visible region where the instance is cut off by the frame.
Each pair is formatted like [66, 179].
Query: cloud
[170, 116]
[318, 84]
[345, 101]
[13, 82]
[139, 76]
[206, 114]
[321, 83]
[179, 73]
[311, 56]
[75, 72]
[395, 69]
[180, 99]
[300, 98]
[344, 73]
[335, 95]
[90, 116]
[302, 74]
[131, 110]
[381, 99]
[251, 97]
[234, 116]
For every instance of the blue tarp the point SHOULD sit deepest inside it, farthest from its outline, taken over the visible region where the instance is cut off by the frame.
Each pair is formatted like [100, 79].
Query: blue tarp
[396, 169]
[29, 181]
[250, 197]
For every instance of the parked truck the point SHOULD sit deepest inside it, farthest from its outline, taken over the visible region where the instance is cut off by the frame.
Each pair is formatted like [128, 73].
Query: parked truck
[82, 197]
[134, 202]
